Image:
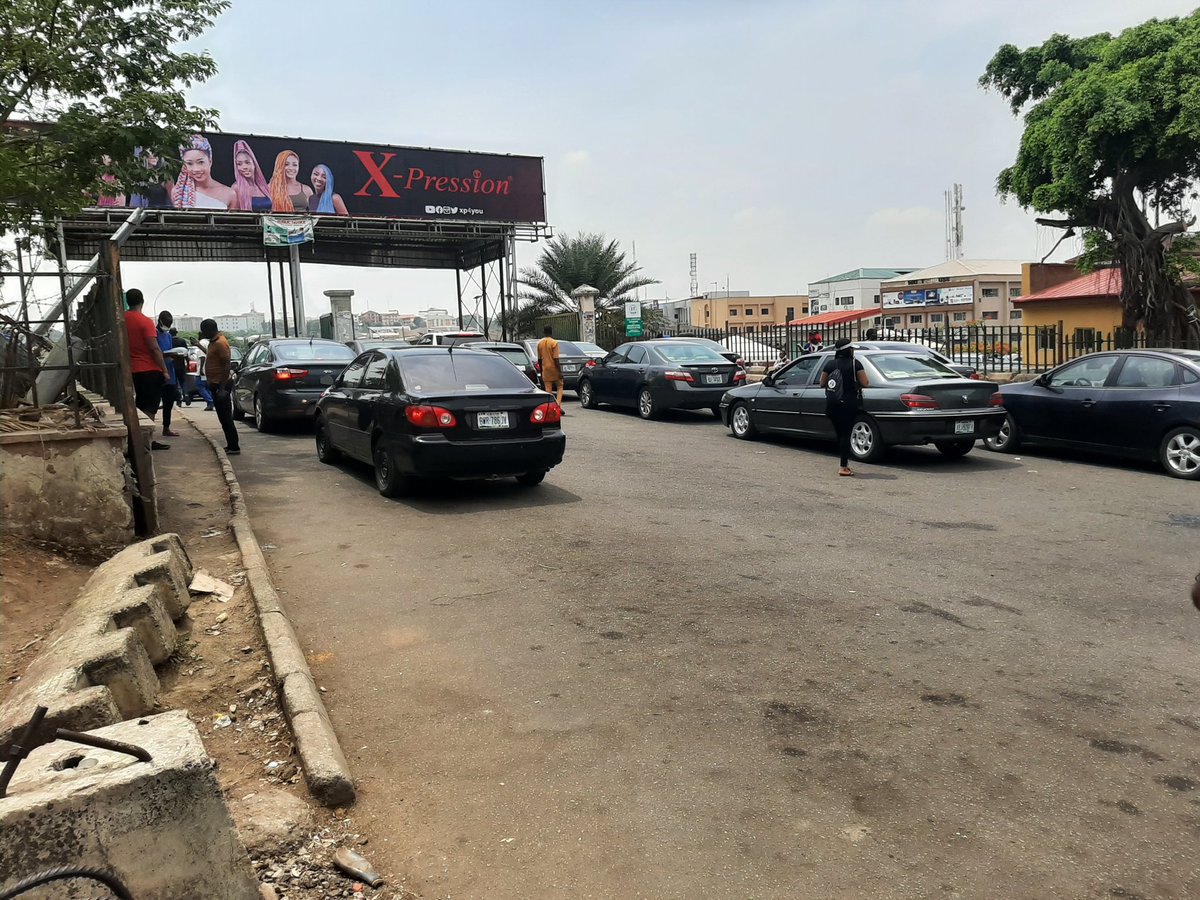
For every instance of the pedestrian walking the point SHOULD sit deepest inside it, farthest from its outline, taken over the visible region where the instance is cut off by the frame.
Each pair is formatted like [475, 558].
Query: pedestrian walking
[220, 381]
[547, 350]
[843, 378]
[170, 389]
[147, 365]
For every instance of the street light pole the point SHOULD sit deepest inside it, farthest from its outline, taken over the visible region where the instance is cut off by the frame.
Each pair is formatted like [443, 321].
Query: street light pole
[154, 305]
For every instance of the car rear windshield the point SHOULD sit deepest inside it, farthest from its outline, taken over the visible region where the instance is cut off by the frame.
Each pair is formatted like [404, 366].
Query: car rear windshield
[566, 348]
[313, 352]
[687, 352]
[901, 366]
[516, 357]
[466, 370]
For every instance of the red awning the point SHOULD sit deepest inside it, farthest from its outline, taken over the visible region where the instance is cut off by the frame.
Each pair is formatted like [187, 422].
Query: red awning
[837, 317]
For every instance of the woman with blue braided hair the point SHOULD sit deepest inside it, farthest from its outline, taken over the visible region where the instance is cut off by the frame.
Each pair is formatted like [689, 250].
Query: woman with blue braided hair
[324, 200]
[196, 188]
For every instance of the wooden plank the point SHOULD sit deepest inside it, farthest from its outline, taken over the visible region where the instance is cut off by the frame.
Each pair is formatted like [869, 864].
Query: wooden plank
[145, 507]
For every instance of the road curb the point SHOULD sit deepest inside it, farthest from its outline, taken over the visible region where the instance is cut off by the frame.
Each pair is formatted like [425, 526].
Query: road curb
[321, 756]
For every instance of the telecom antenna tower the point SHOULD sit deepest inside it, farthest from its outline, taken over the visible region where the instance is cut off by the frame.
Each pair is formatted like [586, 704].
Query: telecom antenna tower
[692, 271]
[954, 221]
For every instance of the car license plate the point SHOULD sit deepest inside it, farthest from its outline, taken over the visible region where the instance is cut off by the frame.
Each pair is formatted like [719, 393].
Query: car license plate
[492, 420]
[714, 379]
[964, 426]
[570, 368]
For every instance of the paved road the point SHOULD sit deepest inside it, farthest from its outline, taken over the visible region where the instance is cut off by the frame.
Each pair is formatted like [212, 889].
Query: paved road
[688, 666]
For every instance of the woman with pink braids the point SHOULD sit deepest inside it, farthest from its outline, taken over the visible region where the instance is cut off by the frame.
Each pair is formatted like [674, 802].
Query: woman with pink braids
[253, 192]
[196, 188]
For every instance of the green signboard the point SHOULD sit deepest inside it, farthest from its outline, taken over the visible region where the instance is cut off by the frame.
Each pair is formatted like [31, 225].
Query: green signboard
[633, 328]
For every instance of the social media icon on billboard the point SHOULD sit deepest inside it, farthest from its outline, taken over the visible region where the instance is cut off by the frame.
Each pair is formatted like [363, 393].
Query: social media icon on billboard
[430, 210]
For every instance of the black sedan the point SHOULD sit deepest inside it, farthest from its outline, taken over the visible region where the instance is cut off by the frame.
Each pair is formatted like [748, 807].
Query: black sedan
[514, 353]
[912, 399]
[652, 376]
[283, 378]
[572, 360]
[1143, 404]
[439, 412]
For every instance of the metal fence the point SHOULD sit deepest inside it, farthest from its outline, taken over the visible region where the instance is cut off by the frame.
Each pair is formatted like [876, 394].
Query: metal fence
[989, 348]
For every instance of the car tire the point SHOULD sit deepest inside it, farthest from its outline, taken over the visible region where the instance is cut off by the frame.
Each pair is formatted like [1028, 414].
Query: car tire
[866, 443]
[388, 479]
[531, 479]
[326, 452]
[587, 395]
[1179, 453]
[261, 422]
[954, 449]
[645, 406]
[1008, 440]
[741, 423]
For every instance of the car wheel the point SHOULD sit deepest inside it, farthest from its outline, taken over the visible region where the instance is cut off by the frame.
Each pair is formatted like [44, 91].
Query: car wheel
[1179, 453]
[531, 479]
[587, 396]
[866, 443]
[261, 422]
[1007, 440]
[326, 452]
[646, 407]
[388, 479]
[740, 422]
[954, 448]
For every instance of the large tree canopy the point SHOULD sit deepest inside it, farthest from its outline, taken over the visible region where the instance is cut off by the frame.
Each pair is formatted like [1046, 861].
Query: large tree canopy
[81, 80]
[1112, 140]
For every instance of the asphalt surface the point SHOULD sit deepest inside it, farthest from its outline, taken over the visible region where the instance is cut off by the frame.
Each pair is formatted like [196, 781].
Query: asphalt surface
[689, 666]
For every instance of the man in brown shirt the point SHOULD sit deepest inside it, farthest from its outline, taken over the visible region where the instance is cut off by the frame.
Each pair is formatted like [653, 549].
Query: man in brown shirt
[220, 381]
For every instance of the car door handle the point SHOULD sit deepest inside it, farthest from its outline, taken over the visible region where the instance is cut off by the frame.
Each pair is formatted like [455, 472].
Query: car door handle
[1088, 404]
[1162, 407]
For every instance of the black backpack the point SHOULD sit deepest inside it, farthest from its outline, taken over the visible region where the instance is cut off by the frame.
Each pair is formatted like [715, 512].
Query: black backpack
[836, 388]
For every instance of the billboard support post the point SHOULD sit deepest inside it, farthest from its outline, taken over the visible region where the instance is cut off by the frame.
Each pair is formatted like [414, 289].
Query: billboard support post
[458, 287]
[271, 297]
[503, 300]
[483, 282]
[283, 302]
[301, 323]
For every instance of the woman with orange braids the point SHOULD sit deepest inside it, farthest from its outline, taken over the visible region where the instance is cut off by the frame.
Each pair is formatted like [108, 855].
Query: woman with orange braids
[287, 193]
[196, 188]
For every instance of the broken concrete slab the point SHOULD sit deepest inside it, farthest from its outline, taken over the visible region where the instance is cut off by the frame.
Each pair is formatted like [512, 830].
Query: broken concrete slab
[97, 667]
[161, 826]
[271, 819]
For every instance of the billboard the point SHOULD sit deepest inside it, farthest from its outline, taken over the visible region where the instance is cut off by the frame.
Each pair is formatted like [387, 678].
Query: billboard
[928, 297]
[283, 176]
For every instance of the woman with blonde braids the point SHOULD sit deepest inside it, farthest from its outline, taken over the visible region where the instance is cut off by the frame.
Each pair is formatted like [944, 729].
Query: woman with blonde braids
[287, 193]
[196, 188]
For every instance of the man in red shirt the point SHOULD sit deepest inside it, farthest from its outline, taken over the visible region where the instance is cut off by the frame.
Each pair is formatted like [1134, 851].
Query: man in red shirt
[146, 360]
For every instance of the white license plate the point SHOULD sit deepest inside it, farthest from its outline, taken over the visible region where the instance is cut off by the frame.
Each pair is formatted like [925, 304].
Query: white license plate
[570, 368]
[714, 379]
[964, 426]
[493, 420]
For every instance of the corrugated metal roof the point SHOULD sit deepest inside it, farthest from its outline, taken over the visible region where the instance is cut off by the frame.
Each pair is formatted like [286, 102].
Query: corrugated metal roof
[837, 317]
[856, 274]
[1093, 286]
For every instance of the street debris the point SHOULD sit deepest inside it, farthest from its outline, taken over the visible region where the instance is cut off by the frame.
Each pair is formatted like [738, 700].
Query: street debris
[313, 855]
[204, 583]
[220, 720]
[356, 867]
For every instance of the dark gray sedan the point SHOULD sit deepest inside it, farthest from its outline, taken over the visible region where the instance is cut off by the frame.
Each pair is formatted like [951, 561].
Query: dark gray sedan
[912, 399]
[652, 376]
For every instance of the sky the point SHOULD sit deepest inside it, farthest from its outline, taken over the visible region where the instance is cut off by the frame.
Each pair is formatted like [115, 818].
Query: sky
[781, 142]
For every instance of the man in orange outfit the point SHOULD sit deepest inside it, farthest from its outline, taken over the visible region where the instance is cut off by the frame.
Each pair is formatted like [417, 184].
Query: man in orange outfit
[547, 350]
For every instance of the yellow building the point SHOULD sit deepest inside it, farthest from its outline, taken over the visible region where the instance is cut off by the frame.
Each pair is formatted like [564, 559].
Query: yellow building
[747, 314]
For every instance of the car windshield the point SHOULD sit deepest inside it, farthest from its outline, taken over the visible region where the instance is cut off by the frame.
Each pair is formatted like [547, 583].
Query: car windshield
[313, 352]
[687, 352]
[464, 370]
[901, 366]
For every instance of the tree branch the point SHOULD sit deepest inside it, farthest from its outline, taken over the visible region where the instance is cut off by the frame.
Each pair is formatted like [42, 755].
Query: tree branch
[1163, 231]
[1063, 223]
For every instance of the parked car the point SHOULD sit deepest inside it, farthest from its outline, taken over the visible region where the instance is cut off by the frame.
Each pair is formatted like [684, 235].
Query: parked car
[732, 355]
[571, 361]
[514, 353]
[377, 344]
[282, 378]
[439, 412]
[967, 371]
[448, 338]
[595, 351]
[1143, 404]
[912, 399]
[653, 376]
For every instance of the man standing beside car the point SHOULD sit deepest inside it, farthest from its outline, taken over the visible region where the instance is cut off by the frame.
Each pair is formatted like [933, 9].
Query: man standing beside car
[552, 380]
[219, 373]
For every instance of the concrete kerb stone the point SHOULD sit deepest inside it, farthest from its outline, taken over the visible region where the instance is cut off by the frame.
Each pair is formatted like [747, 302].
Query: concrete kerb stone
[324, 764]
[97, 666]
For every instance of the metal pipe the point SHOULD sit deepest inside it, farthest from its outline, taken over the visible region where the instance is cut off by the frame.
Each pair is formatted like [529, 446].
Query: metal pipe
[92, 740]
[65, 873]
[20, 749]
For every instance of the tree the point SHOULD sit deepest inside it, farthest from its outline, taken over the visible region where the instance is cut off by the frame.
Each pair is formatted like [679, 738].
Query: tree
[568, 263]
[86, 80]
[1112, 138]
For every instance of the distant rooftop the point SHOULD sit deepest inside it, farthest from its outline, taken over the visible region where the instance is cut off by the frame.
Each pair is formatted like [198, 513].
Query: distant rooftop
[865, 273]
[964, 269]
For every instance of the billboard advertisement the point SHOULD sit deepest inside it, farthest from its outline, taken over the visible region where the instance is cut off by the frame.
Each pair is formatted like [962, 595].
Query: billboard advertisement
[928, 297]
[290, 176]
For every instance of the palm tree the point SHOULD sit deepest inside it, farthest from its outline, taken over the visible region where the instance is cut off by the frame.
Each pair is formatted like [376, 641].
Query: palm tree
[569, 262]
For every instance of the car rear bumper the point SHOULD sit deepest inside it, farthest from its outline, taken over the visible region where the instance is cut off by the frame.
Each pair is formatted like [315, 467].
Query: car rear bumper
[432, 455]
[685, 396]
[928, 426]
[295, 404]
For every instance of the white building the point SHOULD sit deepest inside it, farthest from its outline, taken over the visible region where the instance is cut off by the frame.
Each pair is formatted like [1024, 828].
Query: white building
[677, 312]
[438, 319]
[249, 323]
[856, 289]
[954, 293]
